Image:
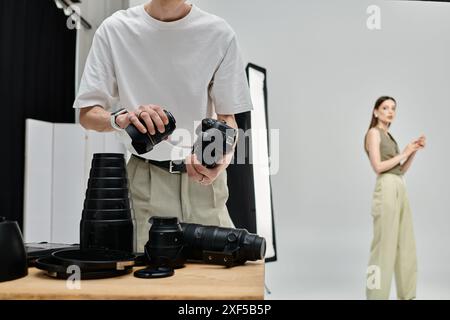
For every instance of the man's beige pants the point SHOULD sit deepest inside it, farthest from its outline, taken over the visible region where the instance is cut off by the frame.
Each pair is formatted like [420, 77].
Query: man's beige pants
[157, 192]
[393, 246]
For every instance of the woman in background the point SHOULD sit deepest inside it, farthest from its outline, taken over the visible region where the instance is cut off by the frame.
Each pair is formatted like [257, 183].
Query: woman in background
[393, 245]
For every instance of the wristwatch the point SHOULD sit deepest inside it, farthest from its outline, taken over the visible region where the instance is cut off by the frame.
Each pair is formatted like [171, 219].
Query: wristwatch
[114, 116]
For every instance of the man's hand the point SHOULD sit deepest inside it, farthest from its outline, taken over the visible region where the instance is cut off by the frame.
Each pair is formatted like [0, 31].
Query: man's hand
[200, 173]
[151, 114]
[203, 175]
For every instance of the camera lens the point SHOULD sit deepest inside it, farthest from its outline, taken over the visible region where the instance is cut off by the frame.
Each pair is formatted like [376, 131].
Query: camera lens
[165, 244]
[256, 247]
[164, 222]
[244, 245]
[144, 142]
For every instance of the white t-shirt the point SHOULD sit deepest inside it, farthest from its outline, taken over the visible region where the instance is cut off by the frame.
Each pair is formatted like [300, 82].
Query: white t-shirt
[192, 67]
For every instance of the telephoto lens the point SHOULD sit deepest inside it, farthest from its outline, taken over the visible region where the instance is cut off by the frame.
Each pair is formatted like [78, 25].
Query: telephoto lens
[171, 243]
[144, 142]
[224, 246]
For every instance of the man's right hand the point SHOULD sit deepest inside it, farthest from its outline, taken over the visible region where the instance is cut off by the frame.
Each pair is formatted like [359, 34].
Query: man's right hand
[151, 114]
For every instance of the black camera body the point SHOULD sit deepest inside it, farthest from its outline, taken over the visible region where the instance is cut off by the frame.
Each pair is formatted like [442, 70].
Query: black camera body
[144, 142]
[171, 243]
[215, 140]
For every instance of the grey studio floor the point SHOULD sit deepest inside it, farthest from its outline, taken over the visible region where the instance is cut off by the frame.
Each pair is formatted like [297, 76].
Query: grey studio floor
[319, 265]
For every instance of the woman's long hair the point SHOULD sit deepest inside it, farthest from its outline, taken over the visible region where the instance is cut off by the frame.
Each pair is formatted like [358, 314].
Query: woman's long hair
[374, 121]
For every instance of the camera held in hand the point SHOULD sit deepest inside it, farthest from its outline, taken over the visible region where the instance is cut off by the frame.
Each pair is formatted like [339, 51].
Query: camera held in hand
[215, 140]
[144, 142]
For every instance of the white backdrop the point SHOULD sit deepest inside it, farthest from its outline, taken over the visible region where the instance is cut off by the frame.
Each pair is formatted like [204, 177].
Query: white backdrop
[57, 164]
[325, 70]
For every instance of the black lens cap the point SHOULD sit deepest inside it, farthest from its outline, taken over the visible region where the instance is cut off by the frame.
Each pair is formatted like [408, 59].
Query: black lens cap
[152, 273]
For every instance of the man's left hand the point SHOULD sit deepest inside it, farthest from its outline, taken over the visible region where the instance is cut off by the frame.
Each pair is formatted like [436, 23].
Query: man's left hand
[203, 175]
[206, 176]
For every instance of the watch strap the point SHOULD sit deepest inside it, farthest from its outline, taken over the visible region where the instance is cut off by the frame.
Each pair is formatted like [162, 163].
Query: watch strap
[114, 116]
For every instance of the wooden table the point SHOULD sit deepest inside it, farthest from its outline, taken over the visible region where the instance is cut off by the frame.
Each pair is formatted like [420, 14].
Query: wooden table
[195, 281]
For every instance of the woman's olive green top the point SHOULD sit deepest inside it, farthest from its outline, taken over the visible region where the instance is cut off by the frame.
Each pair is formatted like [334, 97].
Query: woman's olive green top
[388, 150]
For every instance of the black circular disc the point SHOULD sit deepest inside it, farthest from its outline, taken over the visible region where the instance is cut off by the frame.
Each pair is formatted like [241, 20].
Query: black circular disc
[54, 269]
[94, 259]
[152, 273]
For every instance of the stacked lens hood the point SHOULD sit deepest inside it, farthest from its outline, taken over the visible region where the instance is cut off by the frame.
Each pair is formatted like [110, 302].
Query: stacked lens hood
[107, 218]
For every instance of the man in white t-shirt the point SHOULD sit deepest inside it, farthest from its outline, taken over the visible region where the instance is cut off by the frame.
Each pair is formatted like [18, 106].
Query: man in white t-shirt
[171, 55]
